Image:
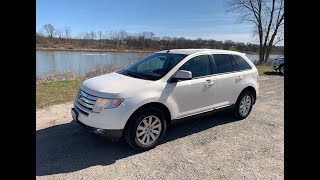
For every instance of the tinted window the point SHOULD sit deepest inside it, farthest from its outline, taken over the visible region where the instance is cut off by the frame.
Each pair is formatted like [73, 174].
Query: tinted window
[199, 66]
[242, 63]
[223, 63]
[153, 67]
[234, 64]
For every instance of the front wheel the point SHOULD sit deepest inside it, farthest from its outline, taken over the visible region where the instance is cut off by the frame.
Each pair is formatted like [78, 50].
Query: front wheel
[146, 129]
[243, 105]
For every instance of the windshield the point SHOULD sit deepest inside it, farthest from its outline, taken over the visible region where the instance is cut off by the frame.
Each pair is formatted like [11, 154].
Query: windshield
[153, 67]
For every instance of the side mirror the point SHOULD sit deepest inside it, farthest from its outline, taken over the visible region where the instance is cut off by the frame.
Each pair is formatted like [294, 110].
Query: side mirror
[181, 75]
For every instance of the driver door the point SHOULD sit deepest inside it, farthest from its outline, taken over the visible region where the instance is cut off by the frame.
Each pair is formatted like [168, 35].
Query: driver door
[195, 95]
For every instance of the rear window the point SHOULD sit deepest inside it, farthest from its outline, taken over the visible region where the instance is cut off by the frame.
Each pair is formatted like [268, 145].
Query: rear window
[242, 63]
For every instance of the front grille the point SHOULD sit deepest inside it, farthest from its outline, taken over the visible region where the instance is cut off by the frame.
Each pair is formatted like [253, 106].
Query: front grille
[81, 111]
[86, 100]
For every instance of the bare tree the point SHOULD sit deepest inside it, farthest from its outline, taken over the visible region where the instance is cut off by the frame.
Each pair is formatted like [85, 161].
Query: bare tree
[59, 34]
[166, 41]
[267, 17]
[85, 38]
[114, 37]
[100, 36]
[117, 37]
[92, 36]
[67, 32]
[228, 44]
[49, 30]
[122, 37]
[147, 37]
[39, 37]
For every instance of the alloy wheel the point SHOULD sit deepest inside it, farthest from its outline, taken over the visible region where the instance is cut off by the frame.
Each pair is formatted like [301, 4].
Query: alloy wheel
[148, 130]
[245, 105]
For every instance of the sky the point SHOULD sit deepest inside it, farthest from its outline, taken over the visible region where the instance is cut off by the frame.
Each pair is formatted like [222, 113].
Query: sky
[192, 19]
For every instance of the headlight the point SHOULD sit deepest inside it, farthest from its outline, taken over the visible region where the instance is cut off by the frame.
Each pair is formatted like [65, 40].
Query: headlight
[106, 104]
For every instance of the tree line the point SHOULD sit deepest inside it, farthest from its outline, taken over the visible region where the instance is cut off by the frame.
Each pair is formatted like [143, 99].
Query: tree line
[51, 37]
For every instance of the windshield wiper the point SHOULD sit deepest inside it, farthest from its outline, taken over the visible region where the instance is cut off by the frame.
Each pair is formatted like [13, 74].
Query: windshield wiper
[135, 75]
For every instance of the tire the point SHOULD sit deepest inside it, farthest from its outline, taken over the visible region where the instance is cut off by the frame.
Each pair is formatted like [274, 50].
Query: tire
[142, 119]
[281, 69]
[245, 97]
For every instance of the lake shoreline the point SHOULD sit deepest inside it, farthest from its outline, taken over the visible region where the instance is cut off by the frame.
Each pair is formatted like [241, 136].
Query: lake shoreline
[97, 50]
[106, 50]
[52, 63]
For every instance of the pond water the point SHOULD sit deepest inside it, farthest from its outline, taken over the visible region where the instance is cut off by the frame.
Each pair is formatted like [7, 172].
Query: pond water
[79, 63]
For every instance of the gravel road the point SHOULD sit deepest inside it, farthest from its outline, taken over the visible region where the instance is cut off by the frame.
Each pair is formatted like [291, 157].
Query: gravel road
[210, 147]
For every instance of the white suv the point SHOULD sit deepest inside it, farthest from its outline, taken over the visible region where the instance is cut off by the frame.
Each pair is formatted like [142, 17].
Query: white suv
[140, 101]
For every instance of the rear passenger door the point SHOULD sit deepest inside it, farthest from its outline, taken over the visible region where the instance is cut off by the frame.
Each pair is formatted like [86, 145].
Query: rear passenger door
[226, 78]
[246, 71]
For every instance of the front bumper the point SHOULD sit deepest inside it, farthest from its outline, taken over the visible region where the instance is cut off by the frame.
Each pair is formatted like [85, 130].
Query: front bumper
[113, 134]
[113, 118]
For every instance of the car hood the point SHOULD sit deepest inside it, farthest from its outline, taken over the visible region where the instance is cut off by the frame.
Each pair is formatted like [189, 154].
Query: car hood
[109, 85]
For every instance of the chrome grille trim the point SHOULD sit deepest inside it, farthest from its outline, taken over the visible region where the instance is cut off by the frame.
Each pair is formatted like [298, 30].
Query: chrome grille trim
[86, 100]
[88, 96]
[90, 107]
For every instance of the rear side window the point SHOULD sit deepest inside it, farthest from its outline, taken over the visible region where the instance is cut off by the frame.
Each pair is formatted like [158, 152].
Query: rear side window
[234, 64]
[242, 63]
[224, 63]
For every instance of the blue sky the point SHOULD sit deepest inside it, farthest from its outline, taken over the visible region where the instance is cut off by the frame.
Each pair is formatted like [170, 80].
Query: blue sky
[206, 19]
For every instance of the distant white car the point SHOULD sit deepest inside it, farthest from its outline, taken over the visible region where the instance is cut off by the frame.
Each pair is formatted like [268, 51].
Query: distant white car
[278, 64]
[140, 101]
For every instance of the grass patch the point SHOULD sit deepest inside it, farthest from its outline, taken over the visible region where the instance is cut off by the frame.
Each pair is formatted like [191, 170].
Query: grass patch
[263, 68]
[57, 92]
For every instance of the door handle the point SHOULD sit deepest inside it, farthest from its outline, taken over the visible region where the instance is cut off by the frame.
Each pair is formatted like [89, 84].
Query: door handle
[209, 82]
[239, 77]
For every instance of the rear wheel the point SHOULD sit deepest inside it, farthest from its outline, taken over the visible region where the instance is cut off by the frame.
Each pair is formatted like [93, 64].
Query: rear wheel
[146, 129]
[243, 105]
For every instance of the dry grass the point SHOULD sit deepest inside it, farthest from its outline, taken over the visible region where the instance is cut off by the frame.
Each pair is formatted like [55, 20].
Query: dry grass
[262, 69]
[57, 89]
[56, 92]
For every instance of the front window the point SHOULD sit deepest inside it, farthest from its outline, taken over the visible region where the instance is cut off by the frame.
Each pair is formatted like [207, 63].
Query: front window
[199, 66]
[153, 67]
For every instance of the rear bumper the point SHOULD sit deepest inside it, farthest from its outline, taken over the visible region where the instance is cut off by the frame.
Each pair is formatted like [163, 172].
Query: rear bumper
[113, 134]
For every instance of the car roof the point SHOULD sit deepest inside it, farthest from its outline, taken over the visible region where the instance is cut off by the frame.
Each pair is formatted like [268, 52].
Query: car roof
[191, 51]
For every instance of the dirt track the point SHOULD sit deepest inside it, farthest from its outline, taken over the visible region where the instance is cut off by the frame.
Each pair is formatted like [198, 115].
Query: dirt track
[212, 147]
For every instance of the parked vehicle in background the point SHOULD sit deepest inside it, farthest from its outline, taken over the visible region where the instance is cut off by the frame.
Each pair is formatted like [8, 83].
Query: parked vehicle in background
[278, 64]
[140, 101]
